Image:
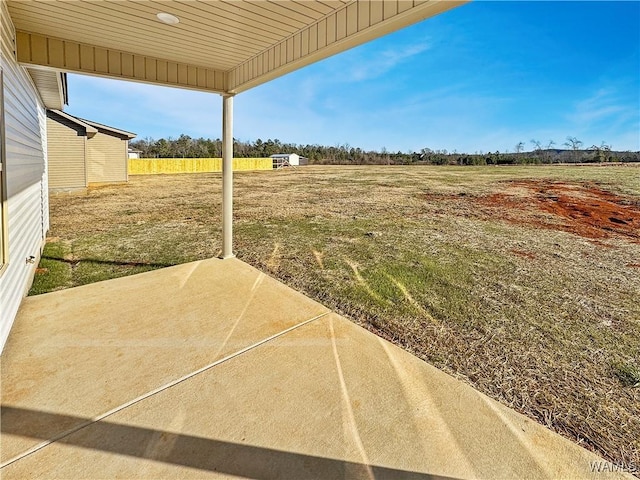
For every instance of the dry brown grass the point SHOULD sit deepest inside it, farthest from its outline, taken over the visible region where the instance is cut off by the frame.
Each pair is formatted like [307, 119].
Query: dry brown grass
[508, 296]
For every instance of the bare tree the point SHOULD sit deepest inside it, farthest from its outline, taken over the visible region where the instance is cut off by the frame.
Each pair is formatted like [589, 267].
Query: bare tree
[601, 153]
[574, 144]
[548, 148]
[519, 147]
[385, 155]
[537, 145]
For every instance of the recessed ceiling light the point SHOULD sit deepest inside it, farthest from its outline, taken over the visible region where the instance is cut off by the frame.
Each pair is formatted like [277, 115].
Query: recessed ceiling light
[168, 18]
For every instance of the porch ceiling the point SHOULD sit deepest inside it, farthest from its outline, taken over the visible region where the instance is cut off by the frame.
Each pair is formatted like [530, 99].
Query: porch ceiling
[224, 46]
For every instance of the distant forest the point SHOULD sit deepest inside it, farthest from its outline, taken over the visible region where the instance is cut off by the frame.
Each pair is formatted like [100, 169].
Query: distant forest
[187, 147]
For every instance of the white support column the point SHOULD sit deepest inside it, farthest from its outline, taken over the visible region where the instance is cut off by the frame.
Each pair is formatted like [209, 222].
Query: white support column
[227, 176]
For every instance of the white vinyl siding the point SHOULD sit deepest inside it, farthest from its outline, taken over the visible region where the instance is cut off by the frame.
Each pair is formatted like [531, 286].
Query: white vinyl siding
[66, 154]
[25, 169]
[44, 184]
[4, 254]
[106, 159]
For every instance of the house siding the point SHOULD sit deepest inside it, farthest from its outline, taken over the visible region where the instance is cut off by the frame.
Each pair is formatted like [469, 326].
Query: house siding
[106, 159]
[44, 187]
[25, 138]
[66, 152]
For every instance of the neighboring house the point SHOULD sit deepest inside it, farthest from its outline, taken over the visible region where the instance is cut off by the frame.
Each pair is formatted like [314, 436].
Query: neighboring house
[24, 209]
[82, 152]
[288, 160]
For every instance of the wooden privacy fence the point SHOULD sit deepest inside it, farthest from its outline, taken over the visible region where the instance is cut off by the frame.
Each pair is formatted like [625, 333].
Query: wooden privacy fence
[155, 166]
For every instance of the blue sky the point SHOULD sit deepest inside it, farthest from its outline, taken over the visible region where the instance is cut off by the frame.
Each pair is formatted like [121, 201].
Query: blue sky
[481, 77]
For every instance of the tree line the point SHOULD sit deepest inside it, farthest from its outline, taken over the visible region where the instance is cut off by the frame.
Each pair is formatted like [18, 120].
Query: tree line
[539, 153]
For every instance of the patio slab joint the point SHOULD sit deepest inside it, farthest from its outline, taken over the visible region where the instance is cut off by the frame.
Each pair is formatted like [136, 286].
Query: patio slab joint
[158, 390]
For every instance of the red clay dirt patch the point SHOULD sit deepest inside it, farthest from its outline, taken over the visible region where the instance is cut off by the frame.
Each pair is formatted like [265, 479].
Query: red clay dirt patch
[524, 254]
[584, 210]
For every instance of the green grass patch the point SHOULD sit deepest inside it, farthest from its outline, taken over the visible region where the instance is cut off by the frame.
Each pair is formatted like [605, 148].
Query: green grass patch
[413, 285]
[628, 374]
[102, 257]
[91, 271]
[54, 271]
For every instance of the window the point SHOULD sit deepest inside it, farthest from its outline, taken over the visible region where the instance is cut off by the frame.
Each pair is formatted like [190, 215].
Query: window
[4, 250]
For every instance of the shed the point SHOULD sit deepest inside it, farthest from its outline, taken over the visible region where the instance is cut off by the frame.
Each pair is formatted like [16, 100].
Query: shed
[288, 160]
[134, 153]
[82, 152]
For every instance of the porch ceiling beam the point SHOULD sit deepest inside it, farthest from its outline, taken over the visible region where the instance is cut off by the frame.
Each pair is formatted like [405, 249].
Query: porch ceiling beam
[69, 56]
[354, 24]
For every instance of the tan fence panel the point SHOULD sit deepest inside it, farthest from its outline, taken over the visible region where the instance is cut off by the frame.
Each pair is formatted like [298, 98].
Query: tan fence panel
[156, 166]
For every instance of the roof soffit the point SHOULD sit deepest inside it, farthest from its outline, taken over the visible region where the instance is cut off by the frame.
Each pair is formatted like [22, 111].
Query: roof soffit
[219, 45]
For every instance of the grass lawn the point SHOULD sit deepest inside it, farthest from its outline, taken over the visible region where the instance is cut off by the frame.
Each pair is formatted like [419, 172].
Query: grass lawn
[523, 281]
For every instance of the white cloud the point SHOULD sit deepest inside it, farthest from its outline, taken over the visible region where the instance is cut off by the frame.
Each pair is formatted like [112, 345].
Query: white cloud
[146, 109]
[606, 115]
[375, 64]
[604, 105]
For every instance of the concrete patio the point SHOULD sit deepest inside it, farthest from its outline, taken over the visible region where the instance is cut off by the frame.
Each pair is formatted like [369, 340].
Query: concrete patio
[213, 369]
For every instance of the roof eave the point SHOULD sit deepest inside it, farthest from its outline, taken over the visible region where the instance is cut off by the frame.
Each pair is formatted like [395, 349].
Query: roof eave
[90, 130]
[100, 126]
[51, 85]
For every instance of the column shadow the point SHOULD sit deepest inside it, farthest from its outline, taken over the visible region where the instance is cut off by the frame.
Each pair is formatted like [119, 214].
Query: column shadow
[193, 451]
